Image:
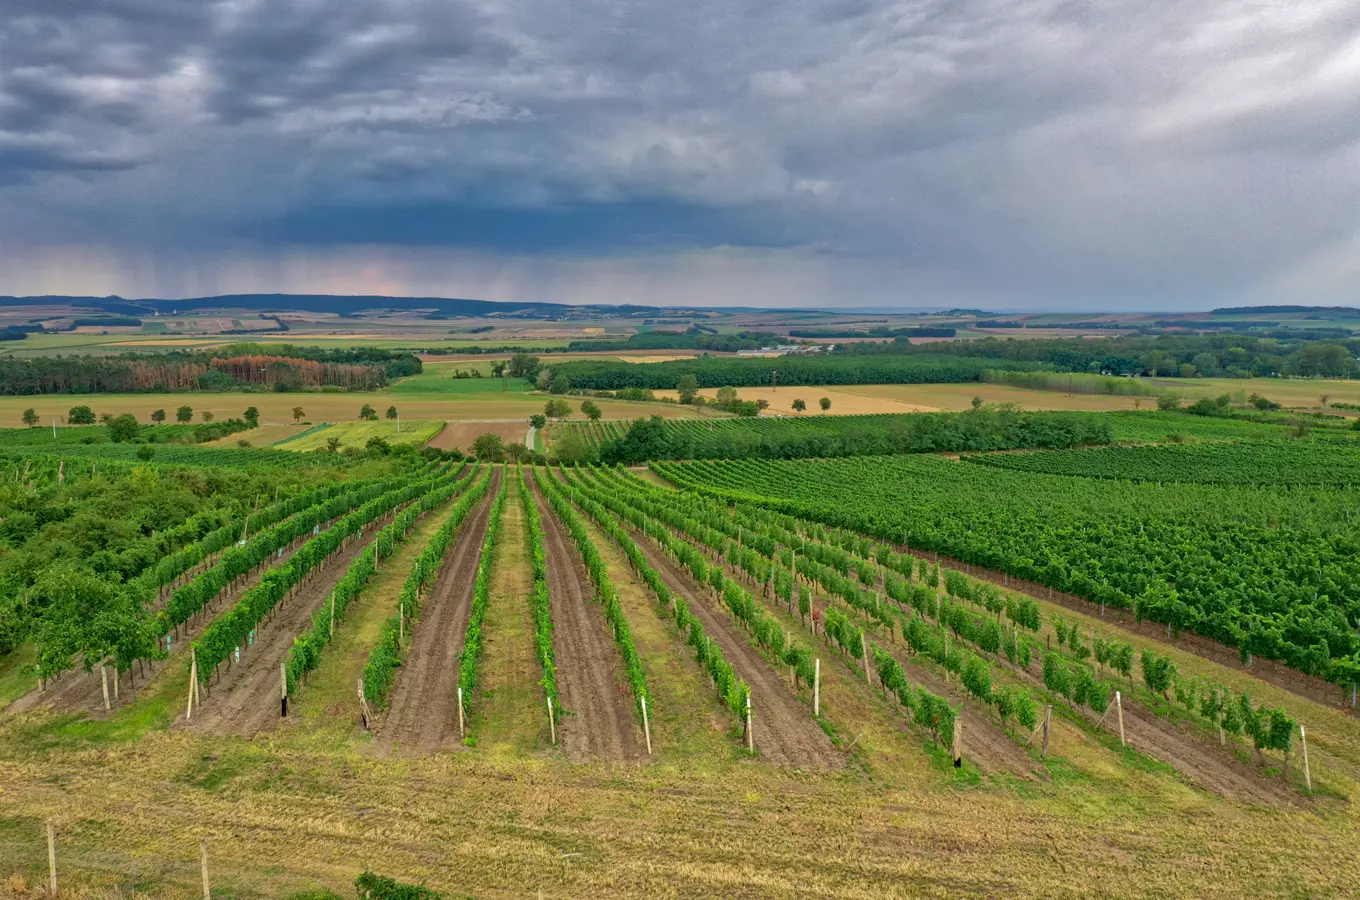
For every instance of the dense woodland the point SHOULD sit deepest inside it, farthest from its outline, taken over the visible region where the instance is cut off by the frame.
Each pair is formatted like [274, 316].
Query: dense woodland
[280, 367]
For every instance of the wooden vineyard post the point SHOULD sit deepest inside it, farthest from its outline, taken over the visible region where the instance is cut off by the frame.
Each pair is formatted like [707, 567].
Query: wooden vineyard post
[203, 866]
[1221, 739]
[401, 621]
[817, 686]
[104, 683]
[363, 706]
[864, 651]
[750, 734]
[332, 634]
[1119, 708]
[552, 725]
[1307, 775]
[958, 743]
[51, 858]
[193, 683]
[460, 713]
[646, 725]
[283, 688]
[1048, 711]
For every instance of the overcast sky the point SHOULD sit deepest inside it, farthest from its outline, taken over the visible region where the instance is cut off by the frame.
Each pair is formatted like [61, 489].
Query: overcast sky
[1008, 153]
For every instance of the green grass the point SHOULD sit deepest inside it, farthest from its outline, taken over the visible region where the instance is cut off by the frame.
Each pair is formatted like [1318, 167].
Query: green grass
[358, 434]
[15, 681]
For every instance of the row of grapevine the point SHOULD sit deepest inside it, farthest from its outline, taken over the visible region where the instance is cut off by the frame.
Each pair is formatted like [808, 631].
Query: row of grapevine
[605, 594]
[843, 634]
[305, 654]
[731, 689]
[481, 595]
[231, 629]
[239, 560]
[543, 626]
[1064, 672]
[1270, 570]
[386, 655]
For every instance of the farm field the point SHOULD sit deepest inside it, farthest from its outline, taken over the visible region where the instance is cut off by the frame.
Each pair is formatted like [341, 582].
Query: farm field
[276, 408]
[556, 662]
[843, 401]
[357, 434]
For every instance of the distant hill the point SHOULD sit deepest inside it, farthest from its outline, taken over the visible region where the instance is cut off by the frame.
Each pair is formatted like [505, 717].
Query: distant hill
[1248, 310]
[334, 303]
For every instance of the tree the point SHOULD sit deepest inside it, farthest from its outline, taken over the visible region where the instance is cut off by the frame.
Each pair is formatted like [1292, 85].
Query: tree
[799, 406]
[391, 412]
[489, 448]
[377, 446]
[146, 451]
[368, 413]
[207, 415]
[332, 444]
[572, 450]
[762, 404]
[123, 428]
[591, 410]
[498, 368]
[557, 409]
[726, 396]
[297, 414]
[1324, 398]
[824, 403]
[80, 415]
[977, 403]
[1169, 402]
[521, 364]
[184, 415]
[560, 384]
[538, 420]
[687, 388]
[158, 416]
[516, 451]
[30, 417]
[252, 417]
[544, 380]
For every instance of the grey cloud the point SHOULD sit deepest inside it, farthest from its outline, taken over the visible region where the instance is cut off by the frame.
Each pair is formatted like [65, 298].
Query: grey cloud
[1000, 145]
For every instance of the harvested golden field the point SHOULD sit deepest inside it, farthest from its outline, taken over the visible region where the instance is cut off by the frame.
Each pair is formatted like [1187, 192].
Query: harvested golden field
[960, 396]
[278, 408]
[259, 437]
[844, 401]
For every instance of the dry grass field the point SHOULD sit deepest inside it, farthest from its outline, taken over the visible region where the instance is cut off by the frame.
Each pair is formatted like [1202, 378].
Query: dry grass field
[844, 400]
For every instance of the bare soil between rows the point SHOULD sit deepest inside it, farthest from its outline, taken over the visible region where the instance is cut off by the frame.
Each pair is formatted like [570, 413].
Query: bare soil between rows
[598, 716]
[243, 698]
[422, 712]
[785, 732]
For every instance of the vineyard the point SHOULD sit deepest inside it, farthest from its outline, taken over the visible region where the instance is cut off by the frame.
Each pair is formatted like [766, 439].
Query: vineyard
[1271, 571]
[1334, 462]
[417, 616]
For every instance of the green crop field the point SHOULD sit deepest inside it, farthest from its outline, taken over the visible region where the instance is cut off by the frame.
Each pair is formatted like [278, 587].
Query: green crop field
[358, 434]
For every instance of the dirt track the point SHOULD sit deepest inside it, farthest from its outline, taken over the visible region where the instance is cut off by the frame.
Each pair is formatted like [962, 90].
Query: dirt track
[422, 714]
[244, 699]
[599, 720]
[785, 732]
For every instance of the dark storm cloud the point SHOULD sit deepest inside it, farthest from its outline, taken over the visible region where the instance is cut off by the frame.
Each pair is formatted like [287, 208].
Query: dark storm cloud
[1005, 148]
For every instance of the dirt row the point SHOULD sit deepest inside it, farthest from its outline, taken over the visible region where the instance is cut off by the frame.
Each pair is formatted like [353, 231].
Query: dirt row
[422, 712]
[243, 698]
[785, 732]
[598, 718]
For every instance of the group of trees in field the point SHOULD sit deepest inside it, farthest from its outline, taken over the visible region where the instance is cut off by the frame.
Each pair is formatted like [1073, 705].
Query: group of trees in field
[980, 428]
